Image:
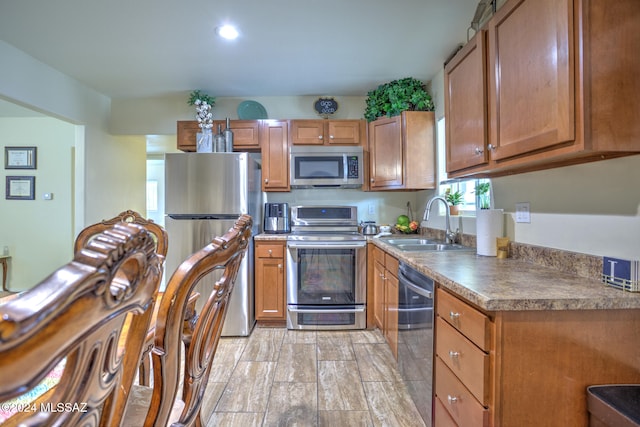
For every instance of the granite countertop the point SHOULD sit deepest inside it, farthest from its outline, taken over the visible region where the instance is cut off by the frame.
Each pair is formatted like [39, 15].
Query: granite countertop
[509, 284]
[495, 284]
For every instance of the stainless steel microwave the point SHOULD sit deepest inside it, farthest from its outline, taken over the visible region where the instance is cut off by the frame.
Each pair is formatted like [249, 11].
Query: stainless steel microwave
[326, 167]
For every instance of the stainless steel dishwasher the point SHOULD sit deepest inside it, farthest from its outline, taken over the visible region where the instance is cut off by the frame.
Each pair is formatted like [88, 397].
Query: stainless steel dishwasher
[415, 337]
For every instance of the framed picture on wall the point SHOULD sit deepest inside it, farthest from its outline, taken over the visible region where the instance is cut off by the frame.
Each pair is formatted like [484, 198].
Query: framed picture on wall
[21, 188]
[20, 157]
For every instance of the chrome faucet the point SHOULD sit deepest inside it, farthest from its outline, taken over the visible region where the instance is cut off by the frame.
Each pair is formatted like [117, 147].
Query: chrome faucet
[450, 236]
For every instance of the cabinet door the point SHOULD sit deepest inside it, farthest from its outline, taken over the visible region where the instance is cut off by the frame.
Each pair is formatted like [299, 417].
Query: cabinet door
[275, 155]
[307, 132]
[245, 135]
[269, 283]
[465, 104]
[344, 132]
[378, 295]
[385, 147]
[531, 79]
[391, 312]
[186, 135]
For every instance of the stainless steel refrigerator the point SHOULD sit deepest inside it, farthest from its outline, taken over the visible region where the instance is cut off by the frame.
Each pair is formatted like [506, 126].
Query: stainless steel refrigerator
[204, 194]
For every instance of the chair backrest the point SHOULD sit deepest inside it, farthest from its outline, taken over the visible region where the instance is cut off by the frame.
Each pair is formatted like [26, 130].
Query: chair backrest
[94, 313]
[225, 252]
[129, 216]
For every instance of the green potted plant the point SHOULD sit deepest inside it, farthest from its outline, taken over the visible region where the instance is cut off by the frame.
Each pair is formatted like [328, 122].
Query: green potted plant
[454, 199]
[198, 95]
[391, 99]
[482, 195]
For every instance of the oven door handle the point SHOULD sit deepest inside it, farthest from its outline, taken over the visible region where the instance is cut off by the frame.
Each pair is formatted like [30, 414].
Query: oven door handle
[326, 310]
[316, 245]
[418, 290]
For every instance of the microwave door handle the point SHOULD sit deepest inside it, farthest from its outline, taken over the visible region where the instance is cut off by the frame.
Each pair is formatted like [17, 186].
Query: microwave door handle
[345, 172]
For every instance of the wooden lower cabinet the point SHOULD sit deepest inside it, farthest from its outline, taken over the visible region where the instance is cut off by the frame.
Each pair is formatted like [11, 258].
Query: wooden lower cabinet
[385, 296]
[527, 368]
[270, 288]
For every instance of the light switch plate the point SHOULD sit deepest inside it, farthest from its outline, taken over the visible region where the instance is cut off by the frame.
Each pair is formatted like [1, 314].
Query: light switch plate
[523, 212]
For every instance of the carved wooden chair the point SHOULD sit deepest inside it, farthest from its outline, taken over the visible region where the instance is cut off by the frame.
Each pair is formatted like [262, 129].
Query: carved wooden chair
[162, 405]
[159, 233]
[162, 245]
[78, 314]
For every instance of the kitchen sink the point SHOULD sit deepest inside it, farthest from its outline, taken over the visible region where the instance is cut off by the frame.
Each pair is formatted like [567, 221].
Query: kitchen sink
[411, 241]
[430, 245]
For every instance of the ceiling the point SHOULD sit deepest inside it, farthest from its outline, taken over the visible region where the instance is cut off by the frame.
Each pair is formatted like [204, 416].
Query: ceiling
[143, 48]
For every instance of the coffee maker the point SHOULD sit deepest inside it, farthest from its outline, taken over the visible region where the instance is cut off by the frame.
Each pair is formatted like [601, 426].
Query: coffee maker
[276, 218]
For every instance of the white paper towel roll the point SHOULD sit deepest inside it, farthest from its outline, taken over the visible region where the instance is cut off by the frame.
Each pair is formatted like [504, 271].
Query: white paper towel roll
[489, 224]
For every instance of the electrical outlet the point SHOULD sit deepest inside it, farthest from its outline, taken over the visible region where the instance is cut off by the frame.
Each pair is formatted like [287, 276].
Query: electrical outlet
[523, 212]
[371, 209]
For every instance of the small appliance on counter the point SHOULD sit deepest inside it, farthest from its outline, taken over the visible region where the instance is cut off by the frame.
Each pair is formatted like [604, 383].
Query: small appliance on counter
[276, 218]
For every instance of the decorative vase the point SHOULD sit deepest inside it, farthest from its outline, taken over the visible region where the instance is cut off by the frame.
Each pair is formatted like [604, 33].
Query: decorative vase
[219, 142]
[228, 137]
[204, 141]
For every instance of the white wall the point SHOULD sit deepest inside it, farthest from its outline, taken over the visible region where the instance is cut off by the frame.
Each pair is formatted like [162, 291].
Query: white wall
[158, 116]
[39, 232]
[109, 171]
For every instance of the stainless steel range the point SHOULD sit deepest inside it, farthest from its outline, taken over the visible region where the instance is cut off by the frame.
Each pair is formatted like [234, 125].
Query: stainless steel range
[326, 269]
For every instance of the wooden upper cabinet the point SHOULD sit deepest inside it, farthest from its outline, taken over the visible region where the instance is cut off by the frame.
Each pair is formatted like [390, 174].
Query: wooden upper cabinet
[531, 91]
[328, 132]
[561, 88]
[245, 134]
[401, 152]
[274, 137]
[465, 103]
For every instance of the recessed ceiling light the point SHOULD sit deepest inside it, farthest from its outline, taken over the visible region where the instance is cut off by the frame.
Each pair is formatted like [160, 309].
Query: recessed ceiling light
[228, 32]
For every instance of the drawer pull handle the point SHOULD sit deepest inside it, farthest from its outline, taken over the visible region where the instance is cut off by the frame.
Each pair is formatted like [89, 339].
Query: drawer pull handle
[454, 354]
[454, 316]
[452, 399]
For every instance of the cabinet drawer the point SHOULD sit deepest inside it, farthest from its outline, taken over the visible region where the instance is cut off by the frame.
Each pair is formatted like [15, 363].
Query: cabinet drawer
[391, 264]
[456, 400]
[472, 323]
[468, 362]
[270, 251]
[442, 418]
[378, 255]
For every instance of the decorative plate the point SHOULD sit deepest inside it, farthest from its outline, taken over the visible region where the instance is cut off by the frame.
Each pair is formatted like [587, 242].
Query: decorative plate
[251, 110]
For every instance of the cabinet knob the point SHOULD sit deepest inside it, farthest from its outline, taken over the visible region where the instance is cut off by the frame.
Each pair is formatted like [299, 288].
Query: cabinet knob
[330, 136]
[454, 316]
[266, 180]
[454, 354]
[319, 136]
[451, 399]
[479, 150]
[269, 251]
[372, 180]
[490, 147]
[280, 266]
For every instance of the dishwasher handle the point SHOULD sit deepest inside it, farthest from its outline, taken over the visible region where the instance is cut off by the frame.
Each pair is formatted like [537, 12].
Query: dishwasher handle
[415, 287]
[418, 290]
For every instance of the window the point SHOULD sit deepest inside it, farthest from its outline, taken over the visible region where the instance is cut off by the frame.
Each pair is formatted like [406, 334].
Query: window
[470, 201]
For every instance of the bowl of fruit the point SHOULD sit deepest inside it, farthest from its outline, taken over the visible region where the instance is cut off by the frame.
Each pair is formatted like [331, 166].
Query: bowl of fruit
[406, 226]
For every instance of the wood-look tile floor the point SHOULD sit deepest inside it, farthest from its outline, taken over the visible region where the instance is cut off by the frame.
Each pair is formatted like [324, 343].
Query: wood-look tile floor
[278, 377]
